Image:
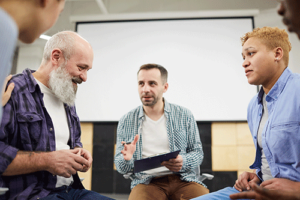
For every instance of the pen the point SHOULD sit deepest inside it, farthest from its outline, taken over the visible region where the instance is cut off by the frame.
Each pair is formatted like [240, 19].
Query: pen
[126, 143]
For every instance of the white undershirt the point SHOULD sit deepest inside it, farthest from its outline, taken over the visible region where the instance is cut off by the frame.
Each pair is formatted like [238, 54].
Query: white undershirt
[56, 110]
[155, 141]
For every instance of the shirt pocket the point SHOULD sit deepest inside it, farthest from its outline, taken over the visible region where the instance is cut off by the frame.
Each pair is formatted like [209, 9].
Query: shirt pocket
[284, 142]
[30, 128]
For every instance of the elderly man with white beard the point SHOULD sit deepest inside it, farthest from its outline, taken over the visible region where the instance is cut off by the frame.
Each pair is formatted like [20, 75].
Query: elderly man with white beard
[40, 148]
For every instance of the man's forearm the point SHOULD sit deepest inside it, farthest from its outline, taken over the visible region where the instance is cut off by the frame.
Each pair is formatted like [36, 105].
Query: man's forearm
[27, 162]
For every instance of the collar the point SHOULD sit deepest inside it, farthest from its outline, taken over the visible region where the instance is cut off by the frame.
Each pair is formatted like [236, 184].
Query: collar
[277, 87]
[31, 82]
[167, 109]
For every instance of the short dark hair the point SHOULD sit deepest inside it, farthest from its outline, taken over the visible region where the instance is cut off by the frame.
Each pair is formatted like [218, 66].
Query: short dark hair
[163, 71]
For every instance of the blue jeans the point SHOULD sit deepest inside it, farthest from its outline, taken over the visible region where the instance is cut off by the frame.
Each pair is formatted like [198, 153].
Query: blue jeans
[69, 193]
[218, 195]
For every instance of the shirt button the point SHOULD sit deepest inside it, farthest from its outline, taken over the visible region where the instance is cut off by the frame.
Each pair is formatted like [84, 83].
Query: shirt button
[50, 129]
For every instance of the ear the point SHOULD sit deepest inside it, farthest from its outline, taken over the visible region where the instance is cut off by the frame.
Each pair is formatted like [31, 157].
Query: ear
[57, 57]
[278, 53]
[166, 86]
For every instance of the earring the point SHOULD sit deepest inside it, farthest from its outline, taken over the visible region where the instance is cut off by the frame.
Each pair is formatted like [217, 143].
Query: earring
[276, 60]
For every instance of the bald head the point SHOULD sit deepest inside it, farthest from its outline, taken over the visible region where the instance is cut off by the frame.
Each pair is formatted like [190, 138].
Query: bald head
[67, 59]
[67, 42]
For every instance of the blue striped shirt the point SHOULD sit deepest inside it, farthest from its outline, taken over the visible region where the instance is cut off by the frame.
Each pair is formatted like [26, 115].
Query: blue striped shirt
[8, 40]
[183, 135]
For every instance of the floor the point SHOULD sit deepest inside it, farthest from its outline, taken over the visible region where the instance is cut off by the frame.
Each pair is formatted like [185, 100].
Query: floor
[117, 196]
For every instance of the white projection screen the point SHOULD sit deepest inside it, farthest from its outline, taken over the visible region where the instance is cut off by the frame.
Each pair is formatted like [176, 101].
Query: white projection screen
[202, 56]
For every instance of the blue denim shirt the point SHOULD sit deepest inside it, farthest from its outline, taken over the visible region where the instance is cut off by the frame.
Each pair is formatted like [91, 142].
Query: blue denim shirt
[27, 126]
[281, 134]
[182, 132]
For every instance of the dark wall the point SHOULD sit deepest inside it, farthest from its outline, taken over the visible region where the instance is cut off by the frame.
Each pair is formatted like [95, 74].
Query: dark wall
[106, 180]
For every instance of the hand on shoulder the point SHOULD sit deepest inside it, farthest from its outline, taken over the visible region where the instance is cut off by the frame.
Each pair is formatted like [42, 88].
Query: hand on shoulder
[6, 94]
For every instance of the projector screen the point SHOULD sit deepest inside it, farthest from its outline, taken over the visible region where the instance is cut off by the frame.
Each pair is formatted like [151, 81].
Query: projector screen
[202, 56]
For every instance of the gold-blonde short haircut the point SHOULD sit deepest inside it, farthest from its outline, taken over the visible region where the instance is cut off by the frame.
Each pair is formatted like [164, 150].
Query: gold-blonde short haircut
[272, 37]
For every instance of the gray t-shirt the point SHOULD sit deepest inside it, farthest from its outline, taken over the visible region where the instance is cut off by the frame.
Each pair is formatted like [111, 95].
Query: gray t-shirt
[265, 169]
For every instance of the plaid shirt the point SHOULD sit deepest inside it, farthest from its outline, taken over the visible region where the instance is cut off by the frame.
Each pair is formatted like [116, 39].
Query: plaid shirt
[182, 132]
[27, 126]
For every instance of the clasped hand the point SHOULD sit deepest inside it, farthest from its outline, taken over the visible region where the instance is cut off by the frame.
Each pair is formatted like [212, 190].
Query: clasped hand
[244, 179]
[67, 162]
[276, 188]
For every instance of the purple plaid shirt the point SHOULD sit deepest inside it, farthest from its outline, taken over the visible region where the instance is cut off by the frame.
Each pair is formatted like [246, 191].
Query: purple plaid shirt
[27, 126]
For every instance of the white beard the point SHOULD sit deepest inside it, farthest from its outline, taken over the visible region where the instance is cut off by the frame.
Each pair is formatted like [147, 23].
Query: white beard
[60, 82]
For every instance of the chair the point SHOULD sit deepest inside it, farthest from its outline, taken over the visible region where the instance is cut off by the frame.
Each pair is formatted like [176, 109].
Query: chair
[203, 176]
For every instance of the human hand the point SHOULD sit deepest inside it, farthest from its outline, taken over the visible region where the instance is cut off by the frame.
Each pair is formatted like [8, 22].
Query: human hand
[85, 154]
[65, 162]
[260, 193]
[174, 164]
[129, 149]
[281, 184]
[244, 179]
[6, 94]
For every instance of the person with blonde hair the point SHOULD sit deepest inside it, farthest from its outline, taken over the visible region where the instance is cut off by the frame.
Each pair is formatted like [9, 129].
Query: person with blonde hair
[289, 10]
[273, 114]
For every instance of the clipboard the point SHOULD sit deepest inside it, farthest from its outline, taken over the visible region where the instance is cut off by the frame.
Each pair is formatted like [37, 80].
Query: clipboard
[153, 162]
